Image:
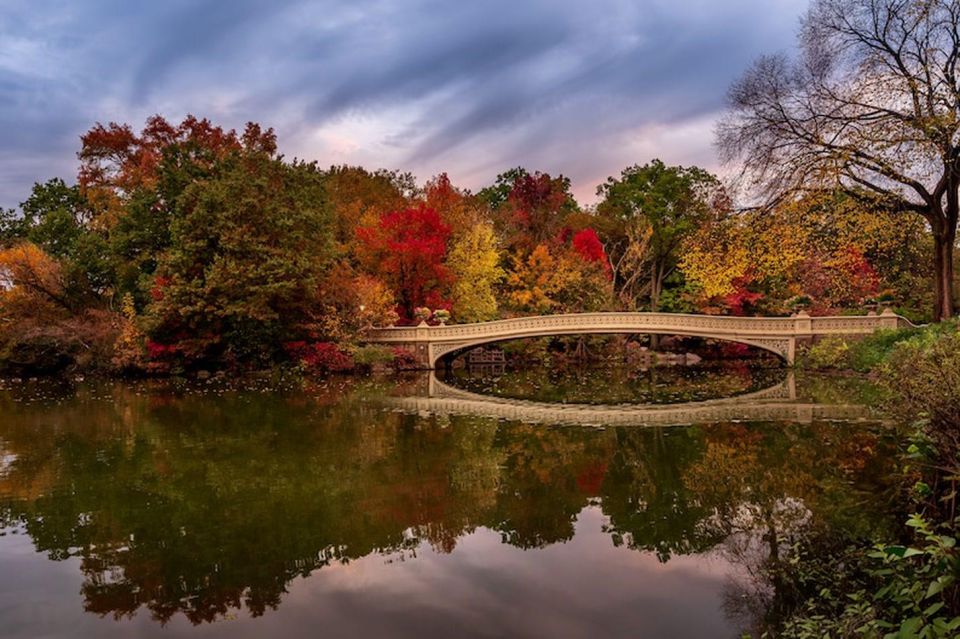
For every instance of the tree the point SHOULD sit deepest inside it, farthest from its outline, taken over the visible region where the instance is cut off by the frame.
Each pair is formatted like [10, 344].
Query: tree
[657, 207]
[475, 263]
[130, 183]
[56, 218]
[29, 273]
[534, 209]
[407, 249]
[825, 246]
[457, 208]
[248, 251]
[116, 163]
[871, 106]
[558, 279]
[357, 197]
[44, 327]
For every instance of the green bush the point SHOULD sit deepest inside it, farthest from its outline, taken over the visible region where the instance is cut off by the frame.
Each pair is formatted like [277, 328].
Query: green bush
[904, 592]
[923, 373]
[372, 355]
[860, 354]
[830, 352]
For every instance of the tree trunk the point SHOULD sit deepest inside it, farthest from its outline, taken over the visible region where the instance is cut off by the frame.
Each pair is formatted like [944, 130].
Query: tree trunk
[944, 241]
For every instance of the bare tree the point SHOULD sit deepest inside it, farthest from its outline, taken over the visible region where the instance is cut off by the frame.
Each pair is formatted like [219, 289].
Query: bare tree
[871, 105]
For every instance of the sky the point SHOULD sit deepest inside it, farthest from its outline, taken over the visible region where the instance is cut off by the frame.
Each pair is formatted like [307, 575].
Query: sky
[581, 88]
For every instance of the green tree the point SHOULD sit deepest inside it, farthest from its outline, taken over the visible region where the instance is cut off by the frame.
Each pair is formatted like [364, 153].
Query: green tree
[660, 206]
[56, 218]
[248, 250]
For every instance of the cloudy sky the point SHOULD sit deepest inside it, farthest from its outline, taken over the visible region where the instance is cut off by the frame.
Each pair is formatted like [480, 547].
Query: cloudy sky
[579, 87]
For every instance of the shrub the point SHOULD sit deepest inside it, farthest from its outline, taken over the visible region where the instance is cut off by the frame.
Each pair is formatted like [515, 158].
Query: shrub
[897, 591]
[924, 374]
[830, 352]
[319, 357]
[860, 354]
[404, 360]
[372, 355]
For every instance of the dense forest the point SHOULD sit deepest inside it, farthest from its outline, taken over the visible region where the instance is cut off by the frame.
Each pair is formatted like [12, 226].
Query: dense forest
[189, 246]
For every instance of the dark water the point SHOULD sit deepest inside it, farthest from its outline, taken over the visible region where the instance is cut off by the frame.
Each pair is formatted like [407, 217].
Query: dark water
[340, 511]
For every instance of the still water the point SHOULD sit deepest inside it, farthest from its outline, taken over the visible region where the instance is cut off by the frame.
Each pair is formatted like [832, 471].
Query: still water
[481, 505]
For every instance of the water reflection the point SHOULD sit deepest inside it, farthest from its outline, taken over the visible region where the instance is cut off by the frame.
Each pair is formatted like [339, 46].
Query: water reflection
[202, 506]
[657, 385]
[776, 402]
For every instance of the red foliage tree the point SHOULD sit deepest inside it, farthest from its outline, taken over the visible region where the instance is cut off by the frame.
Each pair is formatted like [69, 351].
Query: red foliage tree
[116, 162]
[742, 299]
[537, 205]
[588, 246]
[406, 249]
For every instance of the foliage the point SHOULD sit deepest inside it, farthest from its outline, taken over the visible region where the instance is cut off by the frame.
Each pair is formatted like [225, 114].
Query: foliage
[535, 209]
[357, 197]
[128, 351]
[891, 591]
[320, 357]
[44, 327]
[406, 249]
[558, 280]
[371, 355]
[924, 373]
[667, 202]
[248, 251]
[824, 247]
[474, 262]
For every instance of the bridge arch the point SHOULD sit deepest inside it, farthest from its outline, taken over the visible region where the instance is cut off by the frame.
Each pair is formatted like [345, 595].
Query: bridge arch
[440, 353]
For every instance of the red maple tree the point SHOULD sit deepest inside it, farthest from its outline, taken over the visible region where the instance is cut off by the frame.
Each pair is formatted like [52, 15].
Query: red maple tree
[406, 249]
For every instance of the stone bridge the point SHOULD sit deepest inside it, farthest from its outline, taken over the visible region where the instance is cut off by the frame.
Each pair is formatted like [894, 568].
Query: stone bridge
[778, 335]
[777, 403]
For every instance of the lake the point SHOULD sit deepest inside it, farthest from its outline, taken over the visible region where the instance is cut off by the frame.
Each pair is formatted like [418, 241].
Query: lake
[594, 502]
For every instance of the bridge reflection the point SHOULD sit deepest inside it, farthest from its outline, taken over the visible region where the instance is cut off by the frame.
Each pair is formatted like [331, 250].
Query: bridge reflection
[775, 403]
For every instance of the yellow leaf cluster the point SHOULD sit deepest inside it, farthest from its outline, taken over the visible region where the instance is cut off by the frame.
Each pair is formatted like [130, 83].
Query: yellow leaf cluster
[474, 260]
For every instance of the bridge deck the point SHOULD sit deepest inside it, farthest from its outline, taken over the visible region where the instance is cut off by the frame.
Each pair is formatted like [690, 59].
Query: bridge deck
[776, 334]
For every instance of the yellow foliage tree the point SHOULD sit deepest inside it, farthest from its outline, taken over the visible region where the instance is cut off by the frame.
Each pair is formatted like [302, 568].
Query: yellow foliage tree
[825, 246]
[474, 260]
[558, 282]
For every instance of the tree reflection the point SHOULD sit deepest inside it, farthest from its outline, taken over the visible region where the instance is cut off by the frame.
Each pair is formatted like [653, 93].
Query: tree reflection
[203, 504]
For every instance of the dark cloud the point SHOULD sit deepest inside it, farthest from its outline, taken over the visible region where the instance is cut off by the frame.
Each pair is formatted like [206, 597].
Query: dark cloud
[423, 85]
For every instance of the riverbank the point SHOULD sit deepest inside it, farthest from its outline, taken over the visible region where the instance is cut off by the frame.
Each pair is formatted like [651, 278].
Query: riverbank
[906, 586]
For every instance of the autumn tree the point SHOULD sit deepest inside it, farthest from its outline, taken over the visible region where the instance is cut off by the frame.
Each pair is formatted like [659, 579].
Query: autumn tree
[474, 262]
[529, 208]
[44, 327]
[826, 247]
[870, 107]
[560, 278]
[457, 208]
[248, 251]
[407, 249]
[357, 197]
[130, 183]
[649, 211]
[116, 163]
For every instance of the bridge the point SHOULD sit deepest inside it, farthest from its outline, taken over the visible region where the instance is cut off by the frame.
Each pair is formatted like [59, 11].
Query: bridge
[779, 335]
[775, 404]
